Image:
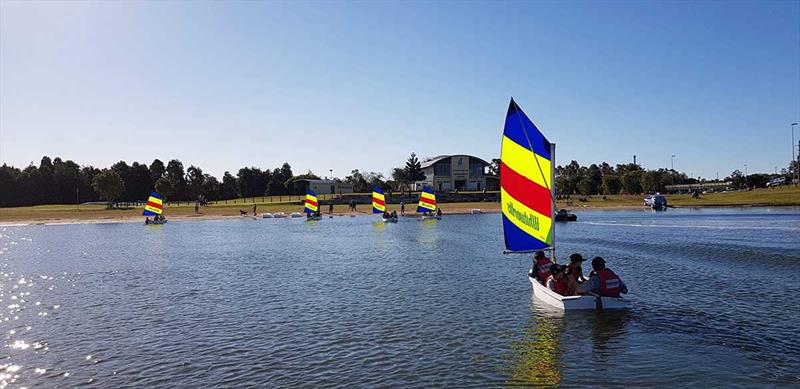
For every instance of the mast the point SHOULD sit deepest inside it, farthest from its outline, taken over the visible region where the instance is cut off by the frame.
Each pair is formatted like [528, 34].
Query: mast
[553, 196]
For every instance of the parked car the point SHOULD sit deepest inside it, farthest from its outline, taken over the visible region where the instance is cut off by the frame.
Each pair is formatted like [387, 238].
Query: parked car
[655, 201]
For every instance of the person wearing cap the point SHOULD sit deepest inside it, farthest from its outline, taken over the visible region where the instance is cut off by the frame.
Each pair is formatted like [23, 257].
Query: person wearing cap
[603, 281]
[541, 266]
[575, 269]
[557, 281]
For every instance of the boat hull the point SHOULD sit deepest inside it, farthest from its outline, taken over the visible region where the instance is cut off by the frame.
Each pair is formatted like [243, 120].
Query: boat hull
[431, 218]
[570, 303]
[390, 220]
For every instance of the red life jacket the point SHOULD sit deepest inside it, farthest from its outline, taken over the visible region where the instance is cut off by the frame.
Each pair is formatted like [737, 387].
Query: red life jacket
[544, 268]
[609, 283]
[561, 285]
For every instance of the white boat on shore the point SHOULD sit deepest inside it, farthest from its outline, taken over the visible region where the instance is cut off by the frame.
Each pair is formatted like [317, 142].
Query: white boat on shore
[267, 216]
[569, 303]
[296, 215]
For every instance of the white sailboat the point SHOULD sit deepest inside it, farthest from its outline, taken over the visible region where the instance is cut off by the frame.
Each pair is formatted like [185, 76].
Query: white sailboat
[527, 196]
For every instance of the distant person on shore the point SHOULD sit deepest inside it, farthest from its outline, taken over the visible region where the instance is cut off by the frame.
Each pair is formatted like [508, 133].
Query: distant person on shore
[330, 209]
[575, 269]
[602, 281]
[254, 210]
[438, 212]
[402, 208]
[196, 207]
[242, 212]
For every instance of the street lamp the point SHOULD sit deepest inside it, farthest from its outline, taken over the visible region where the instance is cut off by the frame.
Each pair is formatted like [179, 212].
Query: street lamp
[672, 162]
[794, 158]
[745, 175]
[331, 170]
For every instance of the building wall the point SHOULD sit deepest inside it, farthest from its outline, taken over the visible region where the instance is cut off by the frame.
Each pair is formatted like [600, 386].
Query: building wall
[459, 177]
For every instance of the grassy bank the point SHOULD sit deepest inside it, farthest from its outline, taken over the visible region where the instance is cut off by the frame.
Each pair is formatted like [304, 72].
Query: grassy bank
[786, 196]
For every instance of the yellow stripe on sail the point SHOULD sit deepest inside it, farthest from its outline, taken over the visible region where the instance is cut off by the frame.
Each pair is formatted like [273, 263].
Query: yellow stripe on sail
[312, 198]
[427, 206]
[428, 195]
[528, 220]
[155, 200]
[522, 161]
[152, 209]
[376, 195]
[378, 207]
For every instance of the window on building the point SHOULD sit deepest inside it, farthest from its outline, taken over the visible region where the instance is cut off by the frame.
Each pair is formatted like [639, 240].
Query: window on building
[441, 169]
[475, 169]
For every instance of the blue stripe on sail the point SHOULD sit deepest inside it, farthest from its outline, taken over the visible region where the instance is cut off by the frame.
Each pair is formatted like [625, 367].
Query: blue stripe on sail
[514, 131]
[156, 195]
[149, 213]
[427, 190]
[377, 190]
[518, 240]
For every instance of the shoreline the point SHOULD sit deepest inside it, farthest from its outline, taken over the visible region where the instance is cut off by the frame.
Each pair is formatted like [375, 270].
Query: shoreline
[460, 210]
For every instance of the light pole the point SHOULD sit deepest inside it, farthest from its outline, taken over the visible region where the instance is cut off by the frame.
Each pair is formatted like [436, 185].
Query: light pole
[331, 170]
[794, 158]
[672, 162]
[745, 175]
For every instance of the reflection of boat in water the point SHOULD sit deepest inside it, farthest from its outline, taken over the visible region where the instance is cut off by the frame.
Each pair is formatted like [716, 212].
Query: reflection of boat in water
[430, 217]
[527, 195]
[389, 220]
[535, 359]
[161, 221]
[564, 216]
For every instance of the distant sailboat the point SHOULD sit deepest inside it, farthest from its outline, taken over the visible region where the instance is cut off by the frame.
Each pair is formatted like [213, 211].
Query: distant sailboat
[154, 207]
[527, 198]
[379, 204]
[427, 204]
[312, 206]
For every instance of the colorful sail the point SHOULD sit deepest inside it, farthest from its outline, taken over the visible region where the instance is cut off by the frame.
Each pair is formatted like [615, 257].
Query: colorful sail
[427, 200]
[378, 201]
[154, 205]
[526, 164]
[312, 206]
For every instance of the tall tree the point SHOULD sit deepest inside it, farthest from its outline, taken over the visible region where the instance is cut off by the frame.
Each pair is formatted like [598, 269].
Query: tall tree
[157, 170]
[195, 179]
[230, 187]
[176, 178]
[414, 169]
[108, 185]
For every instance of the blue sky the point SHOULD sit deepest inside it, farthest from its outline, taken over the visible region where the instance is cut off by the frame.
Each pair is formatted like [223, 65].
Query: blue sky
[360, 85]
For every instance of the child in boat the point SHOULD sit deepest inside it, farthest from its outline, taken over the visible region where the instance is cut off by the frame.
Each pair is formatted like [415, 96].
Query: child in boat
[602, 281]
[575, 270]
[394, 214]
[557, 280]
[541, 266]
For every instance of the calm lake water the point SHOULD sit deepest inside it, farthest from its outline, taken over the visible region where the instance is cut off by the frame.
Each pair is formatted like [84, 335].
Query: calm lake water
[348, 302]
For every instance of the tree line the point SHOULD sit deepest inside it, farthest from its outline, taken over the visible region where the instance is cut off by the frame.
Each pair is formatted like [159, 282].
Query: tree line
[56, 181]
[604, 179]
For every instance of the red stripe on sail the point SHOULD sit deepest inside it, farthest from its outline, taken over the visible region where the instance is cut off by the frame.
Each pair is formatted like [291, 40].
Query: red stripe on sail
[378, 201]
[527, 192]
[154, 205]
[314, 203]
[428, 201]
